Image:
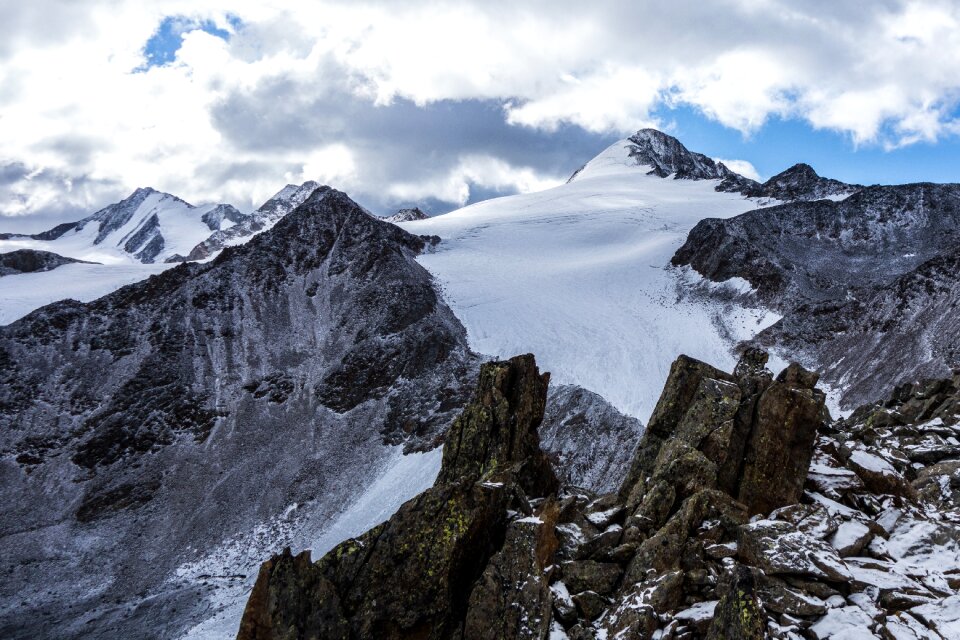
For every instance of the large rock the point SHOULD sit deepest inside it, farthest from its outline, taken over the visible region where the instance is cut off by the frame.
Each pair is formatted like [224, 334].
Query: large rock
[513, 597]
[738, 616]
[441, 562]
[408, 577]
[747, 434]
[497, 432]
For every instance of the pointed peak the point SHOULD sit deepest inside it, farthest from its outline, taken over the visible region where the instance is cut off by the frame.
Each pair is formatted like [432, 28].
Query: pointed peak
[801, 169]
[407, 215]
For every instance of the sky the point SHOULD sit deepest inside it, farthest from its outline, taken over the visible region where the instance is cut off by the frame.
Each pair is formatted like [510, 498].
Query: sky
[439, 104]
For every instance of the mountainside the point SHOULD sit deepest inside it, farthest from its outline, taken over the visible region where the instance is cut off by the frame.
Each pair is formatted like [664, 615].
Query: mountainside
[746, 514]
[189, 425]
[866, 284]
[262, 389]
[579, 275]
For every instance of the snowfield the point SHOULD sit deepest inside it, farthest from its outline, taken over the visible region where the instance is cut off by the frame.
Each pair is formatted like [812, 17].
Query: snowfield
[579, 275]
[20, 294]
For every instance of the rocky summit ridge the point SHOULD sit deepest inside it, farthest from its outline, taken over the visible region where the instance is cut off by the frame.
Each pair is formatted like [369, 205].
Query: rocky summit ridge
[746, 513]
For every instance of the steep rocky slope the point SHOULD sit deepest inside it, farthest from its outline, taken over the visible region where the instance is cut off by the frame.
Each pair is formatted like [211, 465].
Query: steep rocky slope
[866, 285]
[188, 425]
[31, 261]
[282, 203]
[746, 513]
[262, 389]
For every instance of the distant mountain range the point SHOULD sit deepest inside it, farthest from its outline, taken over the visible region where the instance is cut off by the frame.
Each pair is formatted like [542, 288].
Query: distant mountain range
[149, 226]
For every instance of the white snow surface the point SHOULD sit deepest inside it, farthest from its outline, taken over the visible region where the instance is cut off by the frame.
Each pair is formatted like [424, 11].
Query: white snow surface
[579, 276]
[20, 294]
[404, 477]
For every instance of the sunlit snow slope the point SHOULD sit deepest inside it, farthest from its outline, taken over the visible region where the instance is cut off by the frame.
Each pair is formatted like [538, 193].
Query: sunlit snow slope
[579, 276]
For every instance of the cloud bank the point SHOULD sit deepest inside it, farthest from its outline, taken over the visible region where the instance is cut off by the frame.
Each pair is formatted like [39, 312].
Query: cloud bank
[436, 103]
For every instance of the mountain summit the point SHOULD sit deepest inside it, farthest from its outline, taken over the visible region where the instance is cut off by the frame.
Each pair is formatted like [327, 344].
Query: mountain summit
[664, 156]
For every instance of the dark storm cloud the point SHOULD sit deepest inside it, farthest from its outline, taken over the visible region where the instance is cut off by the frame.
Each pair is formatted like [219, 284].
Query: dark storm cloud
[400, 142]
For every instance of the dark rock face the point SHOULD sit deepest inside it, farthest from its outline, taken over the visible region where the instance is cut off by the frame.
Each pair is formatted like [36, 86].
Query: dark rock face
[668, 156]
[753, 428]
[159, 422]
[416, 575]
[497, 433]
[30, 261]
[677, 557]
[866, 285]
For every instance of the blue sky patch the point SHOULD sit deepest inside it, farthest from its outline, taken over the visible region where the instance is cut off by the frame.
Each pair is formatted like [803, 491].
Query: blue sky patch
[163, 45]
[781, 143]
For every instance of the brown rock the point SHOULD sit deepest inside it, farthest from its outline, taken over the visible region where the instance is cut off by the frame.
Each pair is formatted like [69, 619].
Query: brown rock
[738, 616]
[589, 575]
[780, 447]
[512, 599]
[682, 384]
[497, 432]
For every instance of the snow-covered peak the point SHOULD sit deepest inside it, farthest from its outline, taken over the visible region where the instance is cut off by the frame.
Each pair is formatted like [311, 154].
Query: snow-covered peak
[407, 215]
[285, 201]
[147, 226]
[653, 152]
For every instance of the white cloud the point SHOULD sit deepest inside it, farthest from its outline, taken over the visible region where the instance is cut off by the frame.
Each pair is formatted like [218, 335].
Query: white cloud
[743, 167]
[74, 112]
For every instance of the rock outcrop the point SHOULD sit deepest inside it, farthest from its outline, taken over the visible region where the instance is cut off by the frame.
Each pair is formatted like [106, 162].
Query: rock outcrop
[427, 572]
[31, 261]
[747, 514]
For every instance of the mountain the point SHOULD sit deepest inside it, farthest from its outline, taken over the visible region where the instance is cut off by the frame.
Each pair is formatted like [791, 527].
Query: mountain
[31, 261]
[148, 226]
[407, 215]
[158, 444]
[160, 441]
[263, 389]
[151, 227]
[746, 513]
[580, 274]
[664, 156]
[282, 203]
[865, 284]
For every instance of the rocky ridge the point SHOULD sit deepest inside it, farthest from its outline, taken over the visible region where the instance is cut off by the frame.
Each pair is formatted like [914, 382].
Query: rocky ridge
[666, 156]
[865, 284]
[746, 513]
[31, 261]
[407, 215]
[282, 203]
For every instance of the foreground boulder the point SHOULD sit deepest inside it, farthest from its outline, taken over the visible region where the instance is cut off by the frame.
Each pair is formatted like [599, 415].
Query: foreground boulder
[746, 514]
